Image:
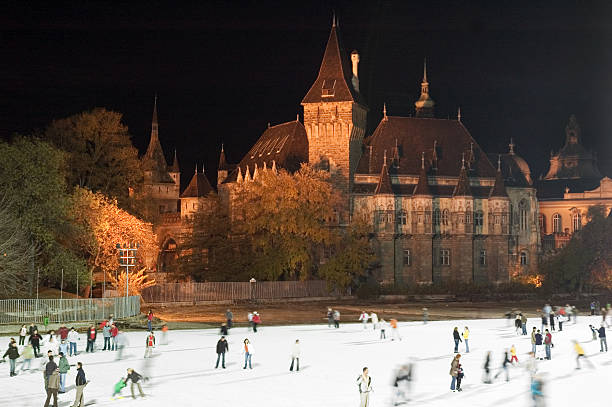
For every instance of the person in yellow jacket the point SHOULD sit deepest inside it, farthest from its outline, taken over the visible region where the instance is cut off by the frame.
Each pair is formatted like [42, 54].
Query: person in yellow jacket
[513, 354]
[580, 354]
[466, 335]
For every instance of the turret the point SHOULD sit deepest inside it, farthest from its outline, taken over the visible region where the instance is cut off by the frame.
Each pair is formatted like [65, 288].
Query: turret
[223, 168]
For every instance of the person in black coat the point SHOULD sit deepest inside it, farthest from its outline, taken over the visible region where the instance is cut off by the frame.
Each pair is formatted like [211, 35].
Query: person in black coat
[457, 339]
[81, 382]
[222, 347]
[487, 368]
[223, 329]
[35, 339]
[538, 344]
[505, 363]
[49, 369]
[13, 354]
[32, 329]
[602, 338]
[135, 378]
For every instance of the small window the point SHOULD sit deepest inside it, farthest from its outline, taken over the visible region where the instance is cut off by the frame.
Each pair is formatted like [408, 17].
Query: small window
[445, 217]
[577, 222]
[478, 218]
[468, 217]
[483, 258]
[523, 258]
[542, 223]
[402, 218]
[327, 89]
[407, 259]
[445, 257]
[557, 225]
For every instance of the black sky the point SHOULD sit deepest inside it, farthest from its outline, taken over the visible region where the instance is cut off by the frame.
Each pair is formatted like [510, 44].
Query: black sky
[223, 70]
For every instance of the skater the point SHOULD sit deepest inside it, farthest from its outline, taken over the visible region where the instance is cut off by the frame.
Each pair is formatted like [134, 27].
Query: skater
[22, 334]
[32, 329]
[602, 338]
[374, 319]
[533, 340]
[91, 339]
[150, 321]
[504, 367]
[524, 323]
[544, 321]
[135, 378]
[295, 356]
[64, 367]
[536, 391]
[548, 344]
[487, 369]
[50, 367]
[457, 339]
[229, 316]
[330, 317]
[592, 306]
[150, 344]
[538, 345]
[454, 371]
[13, 353]
[73, 337]
[466, 335]
[256, 320]
[62, 332]
[250, 319]
[114, 332]
[513, 357]
[364, 319]
[28, 355]
[517, 324]
[403, 378]
[551, 318]
[425, 316]
[121, 344]
[531, 365]
[80, 382]
[460, 376]
[394, 331]
[63, 347]
[164, 338]
[247, 351]
[337, 318]
[580, 354]
[34, 340]
[119, 386]
[560, 321]
[222, 347]
[52, 387]
[52, 344]
[383, 327]
[364, 383]
[223, 330]
[593, 332]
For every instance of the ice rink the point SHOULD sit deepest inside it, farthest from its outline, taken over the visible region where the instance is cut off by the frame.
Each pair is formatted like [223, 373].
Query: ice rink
[182, 373]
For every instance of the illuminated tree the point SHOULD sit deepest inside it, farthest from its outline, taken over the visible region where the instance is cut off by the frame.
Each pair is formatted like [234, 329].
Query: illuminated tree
[138, 280]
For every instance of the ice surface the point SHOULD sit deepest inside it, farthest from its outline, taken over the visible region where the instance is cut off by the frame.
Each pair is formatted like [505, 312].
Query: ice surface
[183, 374]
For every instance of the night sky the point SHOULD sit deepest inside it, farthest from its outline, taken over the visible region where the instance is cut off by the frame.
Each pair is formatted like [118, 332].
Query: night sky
[223, 70]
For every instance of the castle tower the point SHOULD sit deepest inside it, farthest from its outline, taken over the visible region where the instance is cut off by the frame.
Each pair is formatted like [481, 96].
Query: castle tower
[335, 118]
[175, 171]
[223, 168]
[425, 105]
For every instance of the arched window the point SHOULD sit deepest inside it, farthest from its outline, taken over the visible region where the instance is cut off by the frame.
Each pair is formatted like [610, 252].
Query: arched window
[445, 217]
[523, 214]
[523, 258]
[542, 223]
[557, 224]
[576, 221]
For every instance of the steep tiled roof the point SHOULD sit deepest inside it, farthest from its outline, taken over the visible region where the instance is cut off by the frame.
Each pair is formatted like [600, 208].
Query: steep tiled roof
[515, 170]
[175, 164]
[445, 191]
[422, 187]
[384, 182]
[333, 84]
[419, 134]
[198, 186]
[222, 161]
[463, 185]
[499, 189]
[286, 144]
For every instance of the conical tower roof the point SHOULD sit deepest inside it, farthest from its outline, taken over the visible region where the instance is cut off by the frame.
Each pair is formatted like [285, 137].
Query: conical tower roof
[463, 185]
[222, 161]
[175, 164]
[154, 159]
[198, 186]
[384, 182]
[422, 187]
[499, 189]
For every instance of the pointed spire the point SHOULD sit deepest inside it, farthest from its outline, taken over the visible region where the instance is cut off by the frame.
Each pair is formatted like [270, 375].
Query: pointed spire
[511, 146]
[222, 161]
[255, 172]
[384, 181]
[239, 178]
[196, 168]
[499, 189]
[424, 70]
[154, 159]
[425, 104]
[434, 158]
[202, 168]
[459, 114]
[334, 19]
[385, 111]
[175, 164]
[463, 161]
[423, 160]
[422, 186]
[273, 166]
[463, 184]
[247, 176]
[265, 167]
[297, 117]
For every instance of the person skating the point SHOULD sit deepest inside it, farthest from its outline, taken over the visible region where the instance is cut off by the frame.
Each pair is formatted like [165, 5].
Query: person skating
[120, 385]
[487, 369]
[52, 344]
[27, 355]
[63, 347]
[383, 327]
[330, 317]
[13, 353]
[533, 340]
[50, 367]
[229, 317]
[73, 337]
[336, 318]
[531, 365]
[544, 321]
[602, 338]
[62, 332]
[150, 344]
[466, 336]
[80, 382]
[454, 371]
[559, 318]
[247, 350]
[222, 347]
[551, 318]
[374, 319]
[250, 320]
[106, 333]
[32, 329]
[164, 336]
[295, 356]
[114, 332]
[593, 332]
[394, 330]
[425, 316]
[457, 339]
[460, 376]
[150, 320]
[64, 367]
[504, 367]
[364, 383]
[92, 334]
[364, 319]
[580, 355]
[513, 357]
[517, 324]
[135, 378]
[524, 323]
[548, 344]
[537, 394]
[122, 343]
[401, 384]
[538, 345]
[223, 329]
[34, 340]
[256, 320]
[53, 383]
[22, 334]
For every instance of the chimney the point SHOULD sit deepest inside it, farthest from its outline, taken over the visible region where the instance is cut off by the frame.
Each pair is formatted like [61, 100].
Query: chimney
[355, 64]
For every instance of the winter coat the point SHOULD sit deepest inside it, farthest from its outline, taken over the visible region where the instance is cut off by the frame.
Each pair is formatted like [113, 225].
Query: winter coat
[538, 339]
[466, 334]
[223, 330]
[548, 339]
[295, 350]
[54, 380]
[120, 385]
[336, 316]
[50, 368]
[23, 332]
[456, 335]
[365, 385]
[374, 318]
[523, 319]
[73, 336]
[150, 342]
[28, 352]
[63, 348]
[229, 316]
[513, 351]
[92, 334]
[80, 377]
[533, 337]
[222, 346]
[364, 317]
[134, 377]
[453, 369]
[64, 366]
[578, 349]
[63, 332]
[106, 331]
[12, 352]
[35, 339]
[250, 347]
[602, 332]
[256, 319]
[114, 331]
[32, 329]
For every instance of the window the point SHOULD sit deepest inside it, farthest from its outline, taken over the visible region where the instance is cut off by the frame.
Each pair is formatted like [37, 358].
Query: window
[385, 216]
[523, 258]
[402, 218]
[468, 217]
[542, 223]
[328, 87]
[557, 224]
[407, 259]
[436, 217]
[523, 214]
[478, 218]
[577, 221]
[445, 217]
[483, 258]
[445, 257]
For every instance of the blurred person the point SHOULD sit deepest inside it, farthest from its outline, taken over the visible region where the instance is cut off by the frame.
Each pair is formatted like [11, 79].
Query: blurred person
[531, 365]
[50, 367]
[460, 376]
[425, 316]
[229, 317]
[250, 320]
[330, 317]
[394, 330]
[593, 332]
[22, 334]
[13, 353]
[517, 324]
[122, 343]
[401, 384]
[120, 385]
[602, 338]
[487, 368]
[538, 345]
[580, 355]
[363, 317]
[374, 319]
[336, 318]
[513, 354]
[63, 347]
[364, 383]
[504, 367]
[295, 356]
[548, 344]
[53, 383]
[164, 336]
[91, 339]
[383, 326]
[62, 332]
[533, 340]
[106, 333]
[551, 318]
[256, 320]
[223, 330]
[114, 331]
[150, 320]
[524, 323]
[28, 355]
[537, 394]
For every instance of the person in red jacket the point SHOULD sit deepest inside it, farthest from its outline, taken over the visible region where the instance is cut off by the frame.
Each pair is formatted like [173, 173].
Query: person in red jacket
[63, 332]
[256, 321]
[91, 339]
[150, 321]
[114, 332]
[150, 345]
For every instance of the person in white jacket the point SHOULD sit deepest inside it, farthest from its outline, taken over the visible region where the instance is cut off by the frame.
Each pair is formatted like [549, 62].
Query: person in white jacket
[383, 327]
[364, 319]
[364, 382]
[247, 351]
[374, 319]
[73, 337]
[295, 356]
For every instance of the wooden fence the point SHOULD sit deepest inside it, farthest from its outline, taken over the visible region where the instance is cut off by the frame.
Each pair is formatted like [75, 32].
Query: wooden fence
[224, 291]
[24, 311]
